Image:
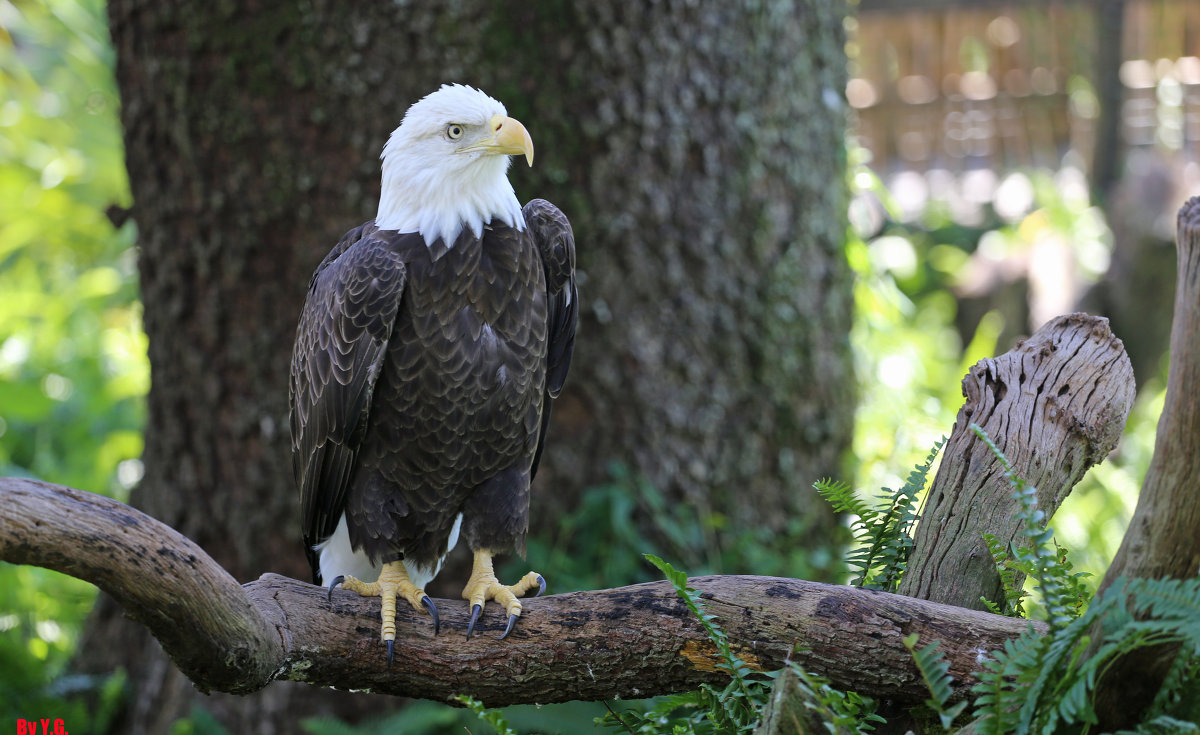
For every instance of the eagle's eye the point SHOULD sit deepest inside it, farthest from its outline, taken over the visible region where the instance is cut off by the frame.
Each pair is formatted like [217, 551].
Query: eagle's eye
[454, 131]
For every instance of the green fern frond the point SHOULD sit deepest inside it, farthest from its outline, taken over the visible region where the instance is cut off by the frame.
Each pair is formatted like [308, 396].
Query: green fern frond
[1164, 725]
[490, 716]
[882, 535]
[1043, 684]
[738, 705]
[1012, 572]
[1168, 598]
[934, 669]
[1180, 693]
[839, 712]
[1000, 682]
[843, 498]
[1040, 557]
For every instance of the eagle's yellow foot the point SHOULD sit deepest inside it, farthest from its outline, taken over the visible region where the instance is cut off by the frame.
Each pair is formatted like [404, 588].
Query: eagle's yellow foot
[393, 581]
[483, 586]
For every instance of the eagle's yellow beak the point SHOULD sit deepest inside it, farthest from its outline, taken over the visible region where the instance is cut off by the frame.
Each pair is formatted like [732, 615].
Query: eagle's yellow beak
[509, 137]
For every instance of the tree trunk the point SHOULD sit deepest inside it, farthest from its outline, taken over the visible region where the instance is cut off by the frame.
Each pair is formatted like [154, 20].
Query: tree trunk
[1163, 540]
[709, 211]
[697, 150]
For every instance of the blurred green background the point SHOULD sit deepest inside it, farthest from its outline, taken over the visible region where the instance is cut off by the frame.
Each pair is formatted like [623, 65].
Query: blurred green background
[74, 371]
[73, 367]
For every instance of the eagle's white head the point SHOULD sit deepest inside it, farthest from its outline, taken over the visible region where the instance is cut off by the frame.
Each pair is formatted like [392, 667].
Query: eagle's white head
[446, 166]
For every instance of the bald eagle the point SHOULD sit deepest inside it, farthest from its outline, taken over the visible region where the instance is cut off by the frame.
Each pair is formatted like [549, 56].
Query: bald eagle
[432, 342]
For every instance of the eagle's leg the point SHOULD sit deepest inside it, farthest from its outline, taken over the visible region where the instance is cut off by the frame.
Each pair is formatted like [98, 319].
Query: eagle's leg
[483, 586]
[393, 581]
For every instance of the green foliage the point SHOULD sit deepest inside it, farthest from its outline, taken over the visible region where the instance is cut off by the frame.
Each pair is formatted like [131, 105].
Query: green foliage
[838, 711]
[1164, 725]
[1012, 575]
[73, 366]
[883, 536]
[600, 544]
[614, 517]
[934, 670]
[490, 716]
[738, 706]
[35, 645]
[424, 717]
[1043, 684]
[86, 704]
[740, 702]
[417, 718]
[1015, 566]
[198, 722]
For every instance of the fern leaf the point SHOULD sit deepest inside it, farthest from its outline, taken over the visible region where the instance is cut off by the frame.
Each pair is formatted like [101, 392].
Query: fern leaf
[1001, 683]
[934, 669]
[1164, 725]
[490, 716]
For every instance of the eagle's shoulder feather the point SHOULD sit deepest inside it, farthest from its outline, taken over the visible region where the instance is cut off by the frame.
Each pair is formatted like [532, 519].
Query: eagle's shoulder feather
[341, 342]
[555, 240]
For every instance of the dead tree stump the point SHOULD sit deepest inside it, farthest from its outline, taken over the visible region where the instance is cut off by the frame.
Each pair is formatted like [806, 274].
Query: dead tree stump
[1163, 539]
[1055, 405]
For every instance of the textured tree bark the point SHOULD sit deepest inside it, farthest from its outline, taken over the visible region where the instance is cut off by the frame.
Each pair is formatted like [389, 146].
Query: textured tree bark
[1163, 539]
[709, 211]
[697, 149]
[636, 641]
[1055, 405]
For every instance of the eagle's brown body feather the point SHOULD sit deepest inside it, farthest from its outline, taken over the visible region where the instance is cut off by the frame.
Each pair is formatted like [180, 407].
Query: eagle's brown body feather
[421, 384]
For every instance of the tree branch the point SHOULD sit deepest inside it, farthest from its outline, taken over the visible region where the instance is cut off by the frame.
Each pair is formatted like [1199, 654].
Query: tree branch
[1162, 540]
[196, 610]
[636, 641]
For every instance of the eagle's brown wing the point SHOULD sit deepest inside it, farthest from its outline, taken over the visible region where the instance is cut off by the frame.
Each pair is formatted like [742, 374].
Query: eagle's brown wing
[341, 342]
[556, 243]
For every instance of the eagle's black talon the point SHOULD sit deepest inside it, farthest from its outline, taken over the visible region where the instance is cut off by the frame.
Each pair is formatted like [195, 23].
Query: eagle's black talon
[427, 601]
[512, 620]
[475, 610]
[391, 646]
[336, 581]
[541, 588]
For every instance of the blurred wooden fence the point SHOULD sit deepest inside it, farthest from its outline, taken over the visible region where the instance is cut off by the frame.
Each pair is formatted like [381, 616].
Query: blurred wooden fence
[980, 84]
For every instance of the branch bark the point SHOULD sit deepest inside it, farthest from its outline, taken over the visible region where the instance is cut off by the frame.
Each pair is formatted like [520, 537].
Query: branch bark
[634, 641]
[1055, 405]
[1163, 539]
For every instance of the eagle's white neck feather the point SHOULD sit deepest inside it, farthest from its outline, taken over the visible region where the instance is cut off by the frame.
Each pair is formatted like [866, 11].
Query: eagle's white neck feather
[431, 188]
[438, 201]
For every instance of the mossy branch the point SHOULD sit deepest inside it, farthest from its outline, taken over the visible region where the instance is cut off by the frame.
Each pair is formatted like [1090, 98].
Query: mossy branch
[629, 642]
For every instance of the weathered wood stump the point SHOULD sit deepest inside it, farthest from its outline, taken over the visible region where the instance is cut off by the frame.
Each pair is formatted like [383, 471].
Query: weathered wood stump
[1163, 539]
[1055, 405]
